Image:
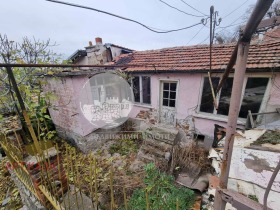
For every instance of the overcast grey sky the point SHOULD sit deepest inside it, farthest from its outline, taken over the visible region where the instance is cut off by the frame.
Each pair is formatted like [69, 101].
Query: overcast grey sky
[72, 28]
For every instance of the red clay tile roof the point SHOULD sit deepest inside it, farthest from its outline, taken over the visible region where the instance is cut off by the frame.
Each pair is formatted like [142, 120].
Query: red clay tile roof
[196, 58]
[272, 35]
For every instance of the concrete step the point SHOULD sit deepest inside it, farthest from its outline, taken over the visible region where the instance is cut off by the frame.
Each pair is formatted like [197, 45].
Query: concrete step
[165, 129]
[146, 158]
[161, 145]
[152, 150]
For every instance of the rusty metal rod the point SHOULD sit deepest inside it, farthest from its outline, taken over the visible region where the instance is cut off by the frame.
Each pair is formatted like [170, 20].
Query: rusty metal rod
[242, 55]
[235, 100]
[6, 65]
[268, 188]
[22, 106]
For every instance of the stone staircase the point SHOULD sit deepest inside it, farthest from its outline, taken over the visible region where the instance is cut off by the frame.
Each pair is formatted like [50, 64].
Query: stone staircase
[157, 145]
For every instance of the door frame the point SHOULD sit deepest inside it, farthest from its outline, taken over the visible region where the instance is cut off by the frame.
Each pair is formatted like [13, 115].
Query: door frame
[160, 97]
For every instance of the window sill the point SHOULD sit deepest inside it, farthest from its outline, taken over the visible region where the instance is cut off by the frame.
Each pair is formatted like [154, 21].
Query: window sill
[219, 118]
[143, 105]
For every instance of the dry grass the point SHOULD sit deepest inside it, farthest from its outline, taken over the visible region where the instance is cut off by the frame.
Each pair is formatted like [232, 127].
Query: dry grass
[84, 175]
[7, 185]
[191, 157]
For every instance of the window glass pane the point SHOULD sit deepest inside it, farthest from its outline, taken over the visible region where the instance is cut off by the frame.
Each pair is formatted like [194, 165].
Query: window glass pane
[172, 103]
[172, 95]
[146, 87]
[206, 104]
[165, 102]
[225, 97]
[173, 86]
[136, 89]
[165, 94]
[253, 96]
[165, 86]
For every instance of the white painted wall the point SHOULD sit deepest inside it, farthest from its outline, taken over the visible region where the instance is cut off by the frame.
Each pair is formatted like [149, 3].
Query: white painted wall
[250, 172]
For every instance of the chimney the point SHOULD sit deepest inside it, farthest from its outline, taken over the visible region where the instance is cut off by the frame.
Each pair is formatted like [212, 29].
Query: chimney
[98, 40]
[90, 43]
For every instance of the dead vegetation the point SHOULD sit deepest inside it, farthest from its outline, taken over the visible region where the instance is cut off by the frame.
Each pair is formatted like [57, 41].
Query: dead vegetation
[270, 137]
[9, 124]
[104, 165]
[9, 194]
[191, 159]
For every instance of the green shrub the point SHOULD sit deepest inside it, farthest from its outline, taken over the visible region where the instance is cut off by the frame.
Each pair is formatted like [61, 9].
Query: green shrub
[253, 197]
[162, 193]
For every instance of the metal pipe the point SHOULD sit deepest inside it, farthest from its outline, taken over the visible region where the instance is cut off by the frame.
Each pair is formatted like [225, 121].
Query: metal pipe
[268, 188]
[73, 65]
[242, 55]
[243, 49]
[22, 106]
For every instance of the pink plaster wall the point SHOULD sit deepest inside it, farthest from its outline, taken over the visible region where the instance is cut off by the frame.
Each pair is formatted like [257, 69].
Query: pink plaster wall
[63, 110]
[188, 97]
[273, 97]
[66, 111]
[82, 93]
[189, 88]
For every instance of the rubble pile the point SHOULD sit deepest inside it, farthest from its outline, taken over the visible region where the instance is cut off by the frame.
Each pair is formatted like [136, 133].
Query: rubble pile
[150, 116]
[9, 124]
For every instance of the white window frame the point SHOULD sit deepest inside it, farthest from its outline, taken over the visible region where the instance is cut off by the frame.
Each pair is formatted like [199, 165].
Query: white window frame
[141, 89]
[96, 86]
[161, 92]
[215, 115]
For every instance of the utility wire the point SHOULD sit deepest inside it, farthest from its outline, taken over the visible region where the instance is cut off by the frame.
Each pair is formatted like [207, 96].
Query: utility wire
[204, 40]
[195, 34]
[124, 18]
[232, 25]
[193, 8]
[235, 9]
[180, 10]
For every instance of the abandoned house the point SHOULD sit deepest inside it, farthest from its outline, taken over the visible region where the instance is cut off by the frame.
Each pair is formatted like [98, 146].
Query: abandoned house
[178, 85]
[176, 88]
[98, 54]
